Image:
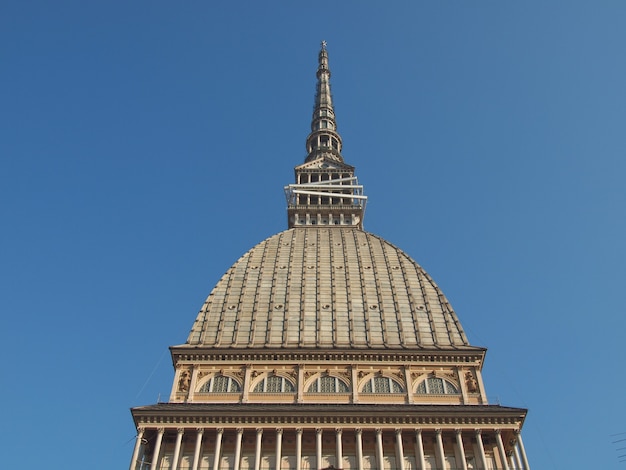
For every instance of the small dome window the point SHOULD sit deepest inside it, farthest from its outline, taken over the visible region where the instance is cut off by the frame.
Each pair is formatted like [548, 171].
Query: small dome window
[436, 386]
[382, 385]
[274, 384]
[221, 384]
[328, 384]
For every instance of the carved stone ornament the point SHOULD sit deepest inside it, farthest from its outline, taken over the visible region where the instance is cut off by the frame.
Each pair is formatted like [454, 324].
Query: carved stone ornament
[308, 374]
[471, 383]
[184, 381]
[344, 375]
[399, 376]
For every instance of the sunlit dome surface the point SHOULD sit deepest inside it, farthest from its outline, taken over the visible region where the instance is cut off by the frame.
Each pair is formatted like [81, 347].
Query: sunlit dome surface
[327, 288]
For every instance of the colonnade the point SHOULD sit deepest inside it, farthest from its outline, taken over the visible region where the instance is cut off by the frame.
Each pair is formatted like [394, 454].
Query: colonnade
[145, 457]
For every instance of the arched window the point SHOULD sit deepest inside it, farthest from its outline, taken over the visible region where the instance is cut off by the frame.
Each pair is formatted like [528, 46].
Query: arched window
[221, 384]
[328, 384]
[382, 385]
[274, 384]
[437, 386]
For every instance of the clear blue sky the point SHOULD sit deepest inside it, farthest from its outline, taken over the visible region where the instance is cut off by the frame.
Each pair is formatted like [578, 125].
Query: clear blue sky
[145, 144]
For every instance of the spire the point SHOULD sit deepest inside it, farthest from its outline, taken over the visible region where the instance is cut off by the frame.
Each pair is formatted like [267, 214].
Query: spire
[323, 139]
[326, 192]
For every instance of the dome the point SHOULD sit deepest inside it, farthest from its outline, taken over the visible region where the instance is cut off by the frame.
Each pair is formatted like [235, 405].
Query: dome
[335, 287]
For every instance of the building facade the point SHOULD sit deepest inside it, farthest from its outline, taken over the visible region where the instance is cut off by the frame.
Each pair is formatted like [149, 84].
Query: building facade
[326, 346]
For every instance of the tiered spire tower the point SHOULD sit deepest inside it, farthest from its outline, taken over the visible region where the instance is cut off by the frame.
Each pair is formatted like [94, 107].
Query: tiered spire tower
[326, 192]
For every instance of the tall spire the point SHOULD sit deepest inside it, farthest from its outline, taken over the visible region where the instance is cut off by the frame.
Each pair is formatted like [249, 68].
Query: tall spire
[323, 139]
[326, 192]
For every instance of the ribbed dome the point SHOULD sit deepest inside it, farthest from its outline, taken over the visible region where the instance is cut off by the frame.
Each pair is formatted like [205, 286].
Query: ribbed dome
[327, 288]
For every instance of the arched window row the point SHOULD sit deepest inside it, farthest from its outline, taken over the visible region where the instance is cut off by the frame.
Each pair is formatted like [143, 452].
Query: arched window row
[219, 383]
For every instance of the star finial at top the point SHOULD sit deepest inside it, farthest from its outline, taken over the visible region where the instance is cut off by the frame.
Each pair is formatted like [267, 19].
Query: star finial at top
[323, 44]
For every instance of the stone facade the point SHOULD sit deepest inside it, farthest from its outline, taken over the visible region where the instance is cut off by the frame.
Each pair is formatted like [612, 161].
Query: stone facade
[326, 346]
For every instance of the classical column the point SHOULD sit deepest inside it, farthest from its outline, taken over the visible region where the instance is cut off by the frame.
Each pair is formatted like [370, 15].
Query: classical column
[257, 451]
[409, 383]
[520, 444]
[298, 449]
[318, 447]
[481, 448]
[379, 448]
[300, 398]
[461, 450]
[399, 450]
[339, 458]
[518, 460]
[196, 453]
[138, 444]
[218, 448]
[238, 448]
[355, 382]
[279, 447]
[179, 440]
[359, 448]
[503, 461]
[441, 456]
[246, 383]
[157, 448]
[419, 450]
[192, 384]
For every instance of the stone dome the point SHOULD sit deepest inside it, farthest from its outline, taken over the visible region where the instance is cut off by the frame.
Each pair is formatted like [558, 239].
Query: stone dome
[321, 288]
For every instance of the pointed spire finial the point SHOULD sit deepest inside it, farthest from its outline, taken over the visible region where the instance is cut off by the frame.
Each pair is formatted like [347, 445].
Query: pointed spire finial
[326, 192]
[323, 139]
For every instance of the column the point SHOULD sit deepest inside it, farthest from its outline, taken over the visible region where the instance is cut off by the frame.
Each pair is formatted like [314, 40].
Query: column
[409, 383]
[192, 384]
[196, 453]
[512, 463]
[339, 457]
[246, 383]
[503, 461]
[279, 447]
[138, 443]
[298, 449]
[355, 381]
[441, 457]
[300, 398]
[522, 451]
[157, 448]
[419, 450]
[460, 450]
[318, 448]
[359, 448]
[399, 450]
[481, 448]
[379, 448]
[518, 460]
[257, 451]
[238, 448]
[179, 440]
[218, 448]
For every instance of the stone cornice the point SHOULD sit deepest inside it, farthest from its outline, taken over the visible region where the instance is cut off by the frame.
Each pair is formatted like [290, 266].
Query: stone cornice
[402, 416]
[191, 354]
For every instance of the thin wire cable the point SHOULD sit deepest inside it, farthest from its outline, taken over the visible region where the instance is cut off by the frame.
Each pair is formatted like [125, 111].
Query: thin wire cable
[151, 374]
